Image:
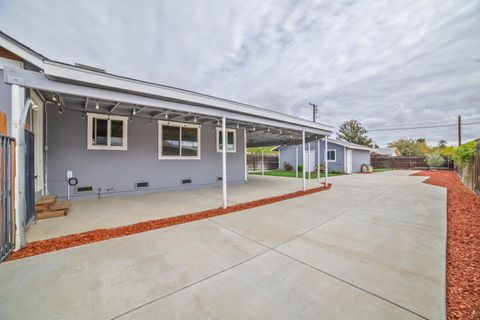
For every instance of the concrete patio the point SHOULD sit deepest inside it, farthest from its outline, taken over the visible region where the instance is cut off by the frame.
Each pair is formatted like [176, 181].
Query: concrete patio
[109, 212]
[372, 247]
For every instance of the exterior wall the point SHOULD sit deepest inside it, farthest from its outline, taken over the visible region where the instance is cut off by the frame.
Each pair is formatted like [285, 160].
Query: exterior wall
[359, 157]
[6, 101]
[288, 154]
[116, 172]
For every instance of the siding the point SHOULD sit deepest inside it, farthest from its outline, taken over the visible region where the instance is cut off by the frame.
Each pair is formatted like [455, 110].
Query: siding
[287, 154]
[6, 101]
[117, 171]
[359, 157]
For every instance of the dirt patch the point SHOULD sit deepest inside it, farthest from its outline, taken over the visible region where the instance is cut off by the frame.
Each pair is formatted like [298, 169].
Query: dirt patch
[78, 239]
[463, 246]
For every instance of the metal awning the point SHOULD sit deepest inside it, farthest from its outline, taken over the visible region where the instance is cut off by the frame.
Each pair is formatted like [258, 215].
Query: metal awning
[264, 129]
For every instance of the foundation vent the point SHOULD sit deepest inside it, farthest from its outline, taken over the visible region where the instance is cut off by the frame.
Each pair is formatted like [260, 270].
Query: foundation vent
[219, 178]
[86, 189]
[186, 181]
[141, 185]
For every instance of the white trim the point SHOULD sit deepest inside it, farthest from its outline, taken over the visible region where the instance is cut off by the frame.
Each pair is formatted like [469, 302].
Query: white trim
[4, 62]
[335, 154]
[218, 130]
[91, 146]
[181, 125]
[37, 128]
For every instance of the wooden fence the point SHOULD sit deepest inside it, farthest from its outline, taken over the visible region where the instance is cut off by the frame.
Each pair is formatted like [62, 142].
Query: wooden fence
[408, 163]
[254, 162]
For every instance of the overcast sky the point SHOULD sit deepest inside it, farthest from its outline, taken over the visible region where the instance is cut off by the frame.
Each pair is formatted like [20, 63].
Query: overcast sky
[384, 63]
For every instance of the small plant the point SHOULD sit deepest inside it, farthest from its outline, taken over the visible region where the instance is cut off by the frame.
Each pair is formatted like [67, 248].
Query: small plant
[287, 166]
[300, 168]
[464, 154]
[435, 159]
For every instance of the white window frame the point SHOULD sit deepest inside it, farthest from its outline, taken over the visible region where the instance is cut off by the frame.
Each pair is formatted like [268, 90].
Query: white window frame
[91, 146]
[219, 131]
[334, 154]
[181, 125]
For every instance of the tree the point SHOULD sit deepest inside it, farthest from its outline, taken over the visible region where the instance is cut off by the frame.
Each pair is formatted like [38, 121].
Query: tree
[442, 144]
[410, 147]
[352, 131]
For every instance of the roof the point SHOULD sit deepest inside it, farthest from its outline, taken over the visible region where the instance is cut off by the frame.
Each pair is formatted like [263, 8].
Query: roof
[74, 74]
[386, 151]
[349, 145]
[346, 144]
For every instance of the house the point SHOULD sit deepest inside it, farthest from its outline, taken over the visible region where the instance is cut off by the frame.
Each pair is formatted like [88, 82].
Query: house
[391, 152]
[82, 132]
[342, 156]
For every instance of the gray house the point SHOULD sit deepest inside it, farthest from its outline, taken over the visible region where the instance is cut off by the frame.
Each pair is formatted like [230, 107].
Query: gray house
[82, 132]
[342, 156]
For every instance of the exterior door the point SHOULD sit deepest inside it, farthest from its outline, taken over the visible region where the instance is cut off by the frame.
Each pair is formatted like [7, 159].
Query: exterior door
[310, 166]
[349, 161]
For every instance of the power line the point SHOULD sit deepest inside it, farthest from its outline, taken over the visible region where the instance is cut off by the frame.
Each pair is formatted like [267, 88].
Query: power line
[437, 122]
[422, 127]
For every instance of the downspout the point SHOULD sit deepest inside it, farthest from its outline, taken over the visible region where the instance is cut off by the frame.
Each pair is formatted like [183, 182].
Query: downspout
[21, 240]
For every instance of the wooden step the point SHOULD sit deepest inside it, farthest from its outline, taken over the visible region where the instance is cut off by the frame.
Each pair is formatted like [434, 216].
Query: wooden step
[44, 203]
[57, 210]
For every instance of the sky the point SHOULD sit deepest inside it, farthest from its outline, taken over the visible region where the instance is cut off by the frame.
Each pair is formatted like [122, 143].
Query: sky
[388, 64]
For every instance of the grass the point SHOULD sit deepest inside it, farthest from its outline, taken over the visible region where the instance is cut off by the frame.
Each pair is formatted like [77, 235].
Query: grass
[382, 169]
[291, 174]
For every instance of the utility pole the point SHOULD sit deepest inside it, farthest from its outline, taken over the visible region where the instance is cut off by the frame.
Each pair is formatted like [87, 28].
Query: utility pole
[315, 110]
[459, 130]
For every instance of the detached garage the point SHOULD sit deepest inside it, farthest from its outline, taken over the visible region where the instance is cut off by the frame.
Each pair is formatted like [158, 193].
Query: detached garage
[342, 156]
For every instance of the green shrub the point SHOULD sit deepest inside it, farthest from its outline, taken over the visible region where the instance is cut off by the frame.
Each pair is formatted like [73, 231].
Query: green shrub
[465, 154]
[287, 166]
[435, 159]
[300, 168]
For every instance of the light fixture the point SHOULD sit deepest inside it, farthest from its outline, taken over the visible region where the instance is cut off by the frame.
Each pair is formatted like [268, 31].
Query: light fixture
[166, 115]
[35, 107]
[291, 136]
[83, 115]
[280, 132]
[195, 119]
[54, 98]
[134, 111]
[268, 129]
[253, 128]
[218, 122]
[131, 119]
[97, 106]
[238, 125]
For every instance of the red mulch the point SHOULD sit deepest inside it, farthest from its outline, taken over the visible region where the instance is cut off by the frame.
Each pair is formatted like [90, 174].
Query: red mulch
[463, 246]
[78, 239]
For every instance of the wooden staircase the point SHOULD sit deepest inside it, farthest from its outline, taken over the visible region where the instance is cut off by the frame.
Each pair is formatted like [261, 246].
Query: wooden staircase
[48, 207]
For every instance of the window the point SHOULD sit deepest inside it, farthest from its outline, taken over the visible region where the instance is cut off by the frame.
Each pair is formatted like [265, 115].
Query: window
[178, 140]
[106, 132]
[332, 155]
[231, 140]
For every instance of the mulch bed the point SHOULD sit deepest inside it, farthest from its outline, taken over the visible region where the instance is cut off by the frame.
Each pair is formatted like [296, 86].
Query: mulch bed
[78, 239]
[463, 246]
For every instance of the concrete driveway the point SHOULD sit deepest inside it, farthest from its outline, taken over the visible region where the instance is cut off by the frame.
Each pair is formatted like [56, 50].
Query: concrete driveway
[373, 247]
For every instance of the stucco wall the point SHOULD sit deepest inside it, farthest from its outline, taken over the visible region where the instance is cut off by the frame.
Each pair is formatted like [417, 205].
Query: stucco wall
[288, 154]
[117, 171]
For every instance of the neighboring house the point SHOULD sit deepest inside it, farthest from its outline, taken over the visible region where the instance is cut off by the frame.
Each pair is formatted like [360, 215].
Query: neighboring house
[111, 135]
[392, 152]
[342, 156]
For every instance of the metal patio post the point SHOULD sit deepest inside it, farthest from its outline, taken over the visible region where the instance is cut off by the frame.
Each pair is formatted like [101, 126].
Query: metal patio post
[318, 160]
[224, 162]
[326, 160]
[304, 184]
[296, 161]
